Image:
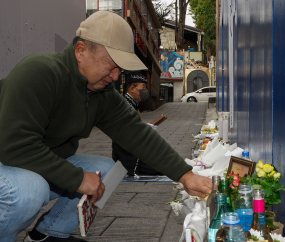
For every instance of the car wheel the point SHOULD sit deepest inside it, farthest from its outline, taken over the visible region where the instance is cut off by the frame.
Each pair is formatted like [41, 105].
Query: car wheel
[191, 100]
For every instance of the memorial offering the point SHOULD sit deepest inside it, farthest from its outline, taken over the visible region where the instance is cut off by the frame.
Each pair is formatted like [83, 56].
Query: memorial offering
[242, 194]
[239, 180]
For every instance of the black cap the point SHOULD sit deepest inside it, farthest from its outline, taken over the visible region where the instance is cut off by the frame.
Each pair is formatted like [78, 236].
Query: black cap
[133, 77]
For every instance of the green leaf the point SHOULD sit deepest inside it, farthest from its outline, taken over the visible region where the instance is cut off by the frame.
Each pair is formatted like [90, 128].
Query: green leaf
[270, 222]
[267, 183]
[254, 175]
[268, 191]
[278, 186]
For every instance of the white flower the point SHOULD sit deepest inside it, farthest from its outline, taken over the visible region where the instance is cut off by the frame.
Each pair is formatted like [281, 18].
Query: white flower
[256, 234]
[277, 175]
[185, 195]
[176, 207]
[178, 185]
[277, 237]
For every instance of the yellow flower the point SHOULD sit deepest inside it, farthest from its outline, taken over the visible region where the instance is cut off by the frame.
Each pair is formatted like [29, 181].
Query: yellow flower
[268, 168]
[261, 173]
[272, 173]
[204, 131]
[257, 169]
[260, 164]
[212, 130]
[277, 175]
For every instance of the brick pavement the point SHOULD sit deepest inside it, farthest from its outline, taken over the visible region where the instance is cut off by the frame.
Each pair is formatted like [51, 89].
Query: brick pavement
[136, 211]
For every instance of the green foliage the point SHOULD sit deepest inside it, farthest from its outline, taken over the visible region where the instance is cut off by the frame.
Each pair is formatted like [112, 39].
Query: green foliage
[210, 28]
[197, 11]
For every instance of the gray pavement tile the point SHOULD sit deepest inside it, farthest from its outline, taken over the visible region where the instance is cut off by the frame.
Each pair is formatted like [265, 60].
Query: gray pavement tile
[121, 197]
[151, 198]
[122, 209]
[130, 184]
[140, 227]
[100, 224]
[148, 187]
[173, 229]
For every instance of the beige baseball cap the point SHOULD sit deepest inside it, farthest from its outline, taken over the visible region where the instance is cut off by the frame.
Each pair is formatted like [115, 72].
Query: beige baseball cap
[112, 31]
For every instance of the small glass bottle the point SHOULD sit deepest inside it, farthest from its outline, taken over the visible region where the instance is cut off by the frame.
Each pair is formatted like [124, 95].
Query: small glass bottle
[210, 204]
[192, 154]
[259, 221]
[230, 230]
[216, 222]
[245, 155]
[224, 187]
[244, 206]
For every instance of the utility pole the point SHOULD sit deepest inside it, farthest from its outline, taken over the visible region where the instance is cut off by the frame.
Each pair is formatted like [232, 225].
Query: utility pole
[175, 23]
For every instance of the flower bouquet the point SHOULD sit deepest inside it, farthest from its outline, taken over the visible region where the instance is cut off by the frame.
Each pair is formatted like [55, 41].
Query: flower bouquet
[256, 236]
[266, 177]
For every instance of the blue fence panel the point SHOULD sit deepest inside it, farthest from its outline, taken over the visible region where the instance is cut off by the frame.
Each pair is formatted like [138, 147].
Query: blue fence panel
[243, 74]
[278, 87]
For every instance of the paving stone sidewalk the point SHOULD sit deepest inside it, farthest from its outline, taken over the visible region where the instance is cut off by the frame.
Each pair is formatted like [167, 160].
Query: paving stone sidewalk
[136, 211]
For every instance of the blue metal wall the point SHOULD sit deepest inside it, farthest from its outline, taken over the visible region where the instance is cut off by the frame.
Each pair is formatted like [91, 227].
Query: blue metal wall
[259, 80]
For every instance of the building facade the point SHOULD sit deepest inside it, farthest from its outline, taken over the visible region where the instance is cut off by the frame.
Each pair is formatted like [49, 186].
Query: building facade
[182, 71]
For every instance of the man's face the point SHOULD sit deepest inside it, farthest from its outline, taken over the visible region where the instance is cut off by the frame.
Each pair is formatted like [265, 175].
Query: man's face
[98, 67]
[134, 90]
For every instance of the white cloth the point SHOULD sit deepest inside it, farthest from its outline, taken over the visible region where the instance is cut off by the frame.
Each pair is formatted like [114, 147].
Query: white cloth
[190, 162]
[212, 157]
[153, 126]
[195, 221]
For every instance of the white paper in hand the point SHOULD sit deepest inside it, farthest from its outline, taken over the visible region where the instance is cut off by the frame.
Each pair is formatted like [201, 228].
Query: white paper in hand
[111, 181]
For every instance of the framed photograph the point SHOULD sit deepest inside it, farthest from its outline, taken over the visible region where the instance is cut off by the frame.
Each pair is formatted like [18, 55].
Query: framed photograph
[241, 166]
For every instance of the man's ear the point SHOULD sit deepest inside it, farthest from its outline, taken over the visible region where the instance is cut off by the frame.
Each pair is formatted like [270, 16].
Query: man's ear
[79, 50]
[131, 88]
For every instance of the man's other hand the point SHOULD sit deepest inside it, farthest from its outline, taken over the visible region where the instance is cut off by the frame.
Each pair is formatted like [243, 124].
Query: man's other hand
[92, 185]
[196, 185]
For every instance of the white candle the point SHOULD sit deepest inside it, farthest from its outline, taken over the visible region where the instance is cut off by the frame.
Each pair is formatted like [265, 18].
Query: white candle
[225, 126]
[220, 115]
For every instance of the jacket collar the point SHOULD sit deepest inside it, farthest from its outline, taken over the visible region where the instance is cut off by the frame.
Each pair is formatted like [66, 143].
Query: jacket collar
[131, 101]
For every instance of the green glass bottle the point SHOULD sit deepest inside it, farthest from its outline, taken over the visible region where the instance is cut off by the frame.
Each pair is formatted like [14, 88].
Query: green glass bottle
[224, 187]
[217, 220]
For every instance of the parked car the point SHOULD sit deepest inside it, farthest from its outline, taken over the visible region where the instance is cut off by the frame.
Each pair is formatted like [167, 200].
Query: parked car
[201, 95]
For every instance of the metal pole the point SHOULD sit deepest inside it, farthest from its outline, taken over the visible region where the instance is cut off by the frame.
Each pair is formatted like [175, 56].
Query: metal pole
[175, 22]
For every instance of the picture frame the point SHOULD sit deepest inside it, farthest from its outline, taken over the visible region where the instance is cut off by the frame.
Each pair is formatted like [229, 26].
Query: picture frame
[241, 166]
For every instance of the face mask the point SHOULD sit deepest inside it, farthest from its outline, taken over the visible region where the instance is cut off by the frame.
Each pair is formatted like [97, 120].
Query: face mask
[143, 94]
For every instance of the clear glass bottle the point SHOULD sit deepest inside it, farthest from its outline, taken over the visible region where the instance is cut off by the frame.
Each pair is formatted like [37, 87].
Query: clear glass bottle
[210, 205]
[244, 206]
[259, 221]
[216, 222]
[230, 230]
[224, 187]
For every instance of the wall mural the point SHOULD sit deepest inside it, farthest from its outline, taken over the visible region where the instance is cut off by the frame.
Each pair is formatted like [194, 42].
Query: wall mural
[171, 64]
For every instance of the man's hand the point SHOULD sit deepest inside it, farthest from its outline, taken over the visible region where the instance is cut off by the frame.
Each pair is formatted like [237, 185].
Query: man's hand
[196, 185]
[92, 185]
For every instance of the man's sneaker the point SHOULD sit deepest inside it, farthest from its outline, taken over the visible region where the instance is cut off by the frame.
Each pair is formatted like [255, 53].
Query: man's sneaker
[55, 239]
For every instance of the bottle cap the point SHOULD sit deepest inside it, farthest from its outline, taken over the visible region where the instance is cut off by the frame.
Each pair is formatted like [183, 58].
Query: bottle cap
[231, 219]
[245, 153]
